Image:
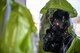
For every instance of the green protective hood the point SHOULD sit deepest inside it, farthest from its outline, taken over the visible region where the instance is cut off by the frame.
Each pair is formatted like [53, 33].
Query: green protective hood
[59, 4]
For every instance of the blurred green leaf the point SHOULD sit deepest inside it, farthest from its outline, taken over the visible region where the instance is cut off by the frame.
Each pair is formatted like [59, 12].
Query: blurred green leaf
[16, 37]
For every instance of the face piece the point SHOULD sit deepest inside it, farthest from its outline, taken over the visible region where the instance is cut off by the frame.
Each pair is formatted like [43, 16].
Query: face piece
[53, 39]
[60, 20]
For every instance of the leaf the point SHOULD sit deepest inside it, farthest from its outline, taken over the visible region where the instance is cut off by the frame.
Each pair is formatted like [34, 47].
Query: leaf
[18, 30]
[59, 4]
